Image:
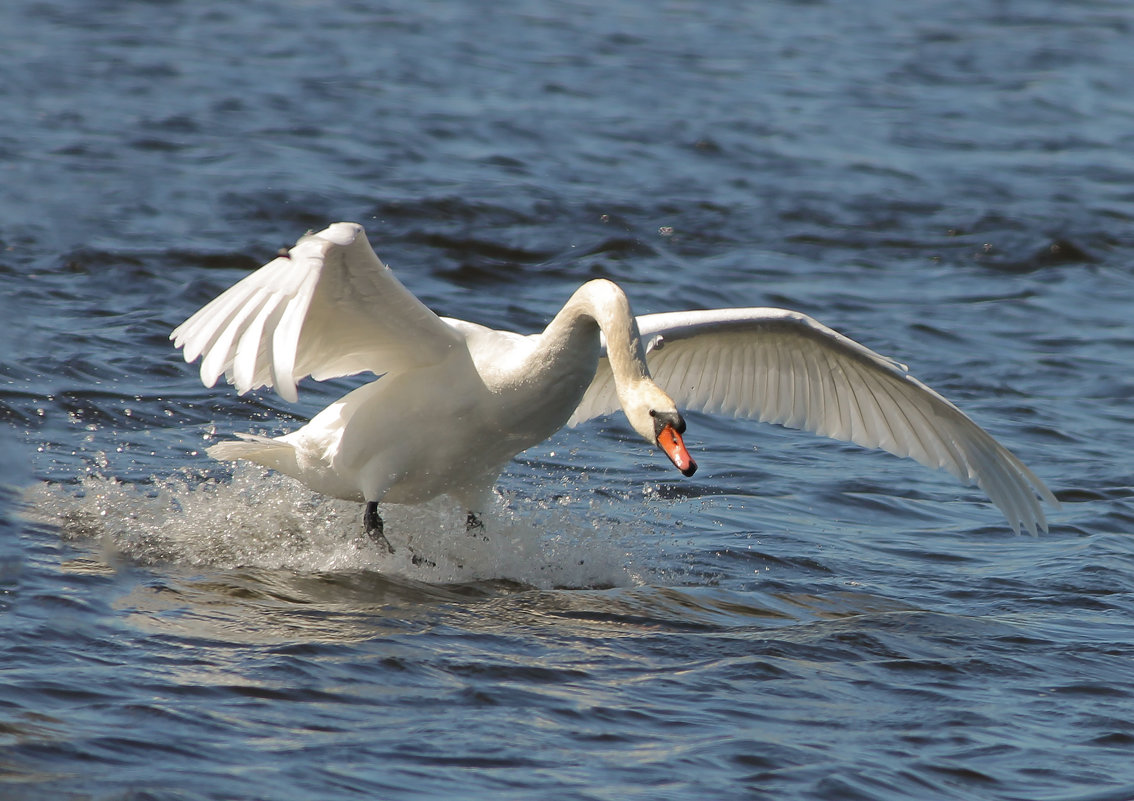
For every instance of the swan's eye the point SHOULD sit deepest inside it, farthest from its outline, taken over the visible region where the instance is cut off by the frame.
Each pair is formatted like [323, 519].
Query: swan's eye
[663, 419]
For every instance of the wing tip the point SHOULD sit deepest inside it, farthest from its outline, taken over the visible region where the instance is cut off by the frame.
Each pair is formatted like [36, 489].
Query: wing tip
[289, 391]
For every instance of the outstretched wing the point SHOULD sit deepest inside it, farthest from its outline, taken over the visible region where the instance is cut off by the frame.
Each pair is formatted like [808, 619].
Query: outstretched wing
[327, 308]
[783, 367]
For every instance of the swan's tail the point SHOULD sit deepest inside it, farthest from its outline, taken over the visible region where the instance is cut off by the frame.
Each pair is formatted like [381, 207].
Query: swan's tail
[271, 453]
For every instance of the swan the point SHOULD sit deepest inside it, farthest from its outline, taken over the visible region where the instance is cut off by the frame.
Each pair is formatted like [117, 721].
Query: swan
[455, 401]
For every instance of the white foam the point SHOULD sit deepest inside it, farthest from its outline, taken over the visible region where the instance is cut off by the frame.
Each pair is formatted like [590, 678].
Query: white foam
[261, 519]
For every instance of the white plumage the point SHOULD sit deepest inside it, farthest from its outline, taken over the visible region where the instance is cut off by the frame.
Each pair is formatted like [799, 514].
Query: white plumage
[455, 401]
[780, 366]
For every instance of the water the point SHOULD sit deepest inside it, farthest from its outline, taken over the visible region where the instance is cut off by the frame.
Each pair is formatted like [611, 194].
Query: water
[948, 182]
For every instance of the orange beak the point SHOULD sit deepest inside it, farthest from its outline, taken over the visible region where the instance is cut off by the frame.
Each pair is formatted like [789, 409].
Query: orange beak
[670, 441]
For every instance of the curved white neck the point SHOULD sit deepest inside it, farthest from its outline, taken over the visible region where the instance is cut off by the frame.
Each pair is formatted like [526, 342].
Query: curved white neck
[603, 303]
[606, 304]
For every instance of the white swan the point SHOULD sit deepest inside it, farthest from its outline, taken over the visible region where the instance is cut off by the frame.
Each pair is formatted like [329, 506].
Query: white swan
[455, 401]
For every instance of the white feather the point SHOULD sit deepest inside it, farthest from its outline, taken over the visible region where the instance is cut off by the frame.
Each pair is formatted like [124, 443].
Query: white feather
[328, 308]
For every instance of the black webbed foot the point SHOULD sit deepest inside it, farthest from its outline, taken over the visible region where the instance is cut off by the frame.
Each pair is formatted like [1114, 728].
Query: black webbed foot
[375, 528]
[474, 526]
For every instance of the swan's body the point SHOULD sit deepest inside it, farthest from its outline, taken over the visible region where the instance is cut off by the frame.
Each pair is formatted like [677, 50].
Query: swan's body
[455, 401]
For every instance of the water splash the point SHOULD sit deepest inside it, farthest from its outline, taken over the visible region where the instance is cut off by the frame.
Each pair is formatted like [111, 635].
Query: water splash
[264, 520]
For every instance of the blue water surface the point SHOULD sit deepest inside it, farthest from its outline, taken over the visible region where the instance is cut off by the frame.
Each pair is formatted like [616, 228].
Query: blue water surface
[950, 183]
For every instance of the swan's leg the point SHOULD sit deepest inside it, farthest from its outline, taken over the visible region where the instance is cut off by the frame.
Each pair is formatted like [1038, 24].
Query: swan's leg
[377, 531]
[474, 526]
[374, 525]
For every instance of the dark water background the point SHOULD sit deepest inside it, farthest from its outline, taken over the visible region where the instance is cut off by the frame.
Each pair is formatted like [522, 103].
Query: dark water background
[950, 182]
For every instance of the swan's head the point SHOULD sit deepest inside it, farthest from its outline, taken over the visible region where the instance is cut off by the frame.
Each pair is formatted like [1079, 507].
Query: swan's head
[654, 415]
[668, 428]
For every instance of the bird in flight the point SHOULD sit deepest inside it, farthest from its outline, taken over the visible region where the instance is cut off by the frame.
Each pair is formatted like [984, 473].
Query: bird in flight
[454, 401]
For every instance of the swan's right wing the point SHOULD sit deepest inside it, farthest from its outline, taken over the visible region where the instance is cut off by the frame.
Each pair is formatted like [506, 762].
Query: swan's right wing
[326, 308]
[784, 367]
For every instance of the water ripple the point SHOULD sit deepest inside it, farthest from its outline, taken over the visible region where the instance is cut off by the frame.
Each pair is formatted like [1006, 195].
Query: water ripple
[802, 621]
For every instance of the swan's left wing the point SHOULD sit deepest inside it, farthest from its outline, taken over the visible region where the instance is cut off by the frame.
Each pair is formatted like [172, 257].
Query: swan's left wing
[326, 308]
[784, 367]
